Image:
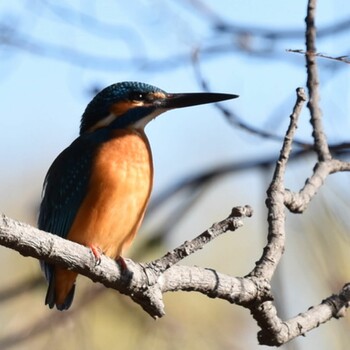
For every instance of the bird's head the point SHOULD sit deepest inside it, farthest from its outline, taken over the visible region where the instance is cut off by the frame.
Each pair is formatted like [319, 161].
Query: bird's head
[134, 104]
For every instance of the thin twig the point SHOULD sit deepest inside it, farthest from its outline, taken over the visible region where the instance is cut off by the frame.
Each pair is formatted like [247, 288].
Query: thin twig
[320, 140]
[273, 251]
[343, 59]
[230, 116]
[231, 223]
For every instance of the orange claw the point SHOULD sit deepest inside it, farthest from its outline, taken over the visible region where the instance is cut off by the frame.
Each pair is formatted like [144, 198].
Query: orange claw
[96, 252]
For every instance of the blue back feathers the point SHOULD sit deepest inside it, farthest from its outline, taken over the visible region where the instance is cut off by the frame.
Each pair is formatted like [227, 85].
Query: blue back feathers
[65, 187]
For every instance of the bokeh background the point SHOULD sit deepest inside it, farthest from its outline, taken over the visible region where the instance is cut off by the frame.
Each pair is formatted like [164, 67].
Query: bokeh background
[55, 55]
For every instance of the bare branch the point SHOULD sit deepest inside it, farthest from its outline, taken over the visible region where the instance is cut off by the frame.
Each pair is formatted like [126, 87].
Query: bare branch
[250, 292]
[298, 202]
[231, 117]
[275, 332]
[320, 140]
[344, 59]
[273, 251]
[30, 241]
[202, 179]
[222, 25]
[147, 282]
[231, 223]
[142, 282]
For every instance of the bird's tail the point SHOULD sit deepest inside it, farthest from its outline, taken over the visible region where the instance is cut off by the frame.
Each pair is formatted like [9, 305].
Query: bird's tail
[57, 296]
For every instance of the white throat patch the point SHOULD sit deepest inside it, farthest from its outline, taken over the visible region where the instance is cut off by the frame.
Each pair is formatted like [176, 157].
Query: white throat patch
[140, 124]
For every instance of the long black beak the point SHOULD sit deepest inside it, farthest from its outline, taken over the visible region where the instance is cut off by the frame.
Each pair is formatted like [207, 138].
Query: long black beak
[192, 99]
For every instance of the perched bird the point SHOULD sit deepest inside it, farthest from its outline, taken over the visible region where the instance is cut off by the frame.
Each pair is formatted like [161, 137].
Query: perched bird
[96, 191]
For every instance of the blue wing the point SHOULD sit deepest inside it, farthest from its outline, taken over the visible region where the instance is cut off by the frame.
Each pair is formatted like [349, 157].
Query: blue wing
[64, 189]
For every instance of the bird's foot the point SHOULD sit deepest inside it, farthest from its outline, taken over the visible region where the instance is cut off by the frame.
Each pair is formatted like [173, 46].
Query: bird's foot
[96, 252]
[120, 260]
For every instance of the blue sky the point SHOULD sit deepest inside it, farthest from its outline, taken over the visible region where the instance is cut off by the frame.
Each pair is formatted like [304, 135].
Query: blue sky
[43, 98]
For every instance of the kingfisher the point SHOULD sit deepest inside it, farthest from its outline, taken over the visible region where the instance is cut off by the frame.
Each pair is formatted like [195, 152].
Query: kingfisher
[96, 191]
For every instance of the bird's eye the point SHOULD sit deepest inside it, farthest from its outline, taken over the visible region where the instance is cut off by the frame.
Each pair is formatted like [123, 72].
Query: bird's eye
[137, 96]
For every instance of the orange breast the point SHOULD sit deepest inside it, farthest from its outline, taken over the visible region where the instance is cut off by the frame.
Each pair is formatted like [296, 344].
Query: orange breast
[118, 193]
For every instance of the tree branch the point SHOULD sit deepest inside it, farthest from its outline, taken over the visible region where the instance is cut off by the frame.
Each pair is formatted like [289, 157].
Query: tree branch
[273, 251]
[275, 332]
[231, 223]
[144, 283]
[298, 202]
[147, 282]
[320, 140]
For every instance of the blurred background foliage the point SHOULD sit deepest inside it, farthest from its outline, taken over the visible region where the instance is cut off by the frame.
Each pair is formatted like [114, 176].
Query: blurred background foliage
[56, 55]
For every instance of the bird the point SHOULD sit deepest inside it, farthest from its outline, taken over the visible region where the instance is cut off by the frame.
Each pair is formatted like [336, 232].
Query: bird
[96, 191]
